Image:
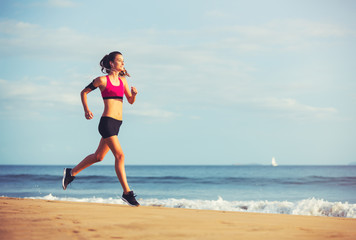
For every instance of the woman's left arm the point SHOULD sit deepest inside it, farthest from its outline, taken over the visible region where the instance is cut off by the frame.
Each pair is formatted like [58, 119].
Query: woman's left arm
[130, 95]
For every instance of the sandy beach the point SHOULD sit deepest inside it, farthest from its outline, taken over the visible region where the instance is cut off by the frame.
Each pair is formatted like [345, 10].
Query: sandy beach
[42, 219]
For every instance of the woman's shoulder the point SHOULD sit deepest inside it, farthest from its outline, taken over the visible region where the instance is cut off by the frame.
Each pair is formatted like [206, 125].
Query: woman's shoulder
[101, 79]
[123, 79]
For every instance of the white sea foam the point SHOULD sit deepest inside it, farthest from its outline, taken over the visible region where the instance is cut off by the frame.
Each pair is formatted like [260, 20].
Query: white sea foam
[312, 206]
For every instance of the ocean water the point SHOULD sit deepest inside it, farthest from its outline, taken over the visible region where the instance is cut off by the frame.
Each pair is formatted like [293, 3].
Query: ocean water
[299, 190]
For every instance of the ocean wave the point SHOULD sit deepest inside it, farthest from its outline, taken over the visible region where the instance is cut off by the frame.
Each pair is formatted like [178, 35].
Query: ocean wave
[236, 181]
[311, 206]
[51, 178]
[261, 181]
[29, 177]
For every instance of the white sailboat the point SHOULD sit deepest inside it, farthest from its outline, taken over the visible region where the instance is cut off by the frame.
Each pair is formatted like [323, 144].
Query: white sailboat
[274, 163]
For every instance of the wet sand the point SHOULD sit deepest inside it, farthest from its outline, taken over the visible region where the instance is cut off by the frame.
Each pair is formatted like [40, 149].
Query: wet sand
[42, 219]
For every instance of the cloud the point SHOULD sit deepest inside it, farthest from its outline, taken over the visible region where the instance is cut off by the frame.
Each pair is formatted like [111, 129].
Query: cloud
[291, 108]
[205, 70]
[216, 14]
[151, 111]
[17, 36]
[45, 91]
[280, 35]
[185, 47]
[61, 3]
[33, 98]
[33, 40]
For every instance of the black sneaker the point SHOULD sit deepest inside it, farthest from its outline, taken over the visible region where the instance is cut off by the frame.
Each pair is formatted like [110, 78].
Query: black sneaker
[67, 178]
[130, 199]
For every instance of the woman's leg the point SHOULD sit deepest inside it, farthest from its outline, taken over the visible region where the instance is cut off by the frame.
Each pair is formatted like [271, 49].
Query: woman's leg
[115, 147]
[98, 156]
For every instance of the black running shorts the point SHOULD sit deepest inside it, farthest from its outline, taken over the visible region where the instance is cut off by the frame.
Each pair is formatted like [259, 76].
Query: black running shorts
[109, 127]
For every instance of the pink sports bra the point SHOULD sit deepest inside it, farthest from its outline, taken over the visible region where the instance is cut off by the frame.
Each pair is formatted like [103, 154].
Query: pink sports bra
[111, 91]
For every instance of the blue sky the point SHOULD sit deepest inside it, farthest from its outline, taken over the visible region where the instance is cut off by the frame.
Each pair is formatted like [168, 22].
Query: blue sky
[219, 82]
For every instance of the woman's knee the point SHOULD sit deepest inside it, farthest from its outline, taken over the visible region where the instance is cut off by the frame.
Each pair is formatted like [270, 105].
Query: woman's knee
[99, 157]
[119, 157]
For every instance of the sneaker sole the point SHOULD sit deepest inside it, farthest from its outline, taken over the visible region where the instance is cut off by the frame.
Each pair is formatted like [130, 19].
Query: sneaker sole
[64, 176]
[123, 199]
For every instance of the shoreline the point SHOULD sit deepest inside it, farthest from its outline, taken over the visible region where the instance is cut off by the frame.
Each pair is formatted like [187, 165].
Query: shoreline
[48, 219]
[304, 207]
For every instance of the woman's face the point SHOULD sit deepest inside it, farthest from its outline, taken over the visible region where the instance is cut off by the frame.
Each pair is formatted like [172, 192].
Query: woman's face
[118, 63]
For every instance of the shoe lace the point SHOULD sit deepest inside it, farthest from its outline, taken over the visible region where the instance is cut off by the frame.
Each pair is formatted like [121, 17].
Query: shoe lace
[133, 195]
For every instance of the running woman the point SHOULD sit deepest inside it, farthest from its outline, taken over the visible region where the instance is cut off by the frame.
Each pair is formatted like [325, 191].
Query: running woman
[113, 87]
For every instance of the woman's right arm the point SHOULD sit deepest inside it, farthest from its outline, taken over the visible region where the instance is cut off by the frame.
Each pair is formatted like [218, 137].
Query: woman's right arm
[83, 94]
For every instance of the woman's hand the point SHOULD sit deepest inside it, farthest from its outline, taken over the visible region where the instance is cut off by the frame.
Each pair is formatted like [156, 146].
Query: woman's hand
[88, 115]
[133, 91]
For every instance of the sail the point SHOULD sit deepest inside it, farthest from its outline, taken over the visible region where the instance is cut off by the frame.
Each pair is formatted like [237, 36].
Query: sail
[274, 163]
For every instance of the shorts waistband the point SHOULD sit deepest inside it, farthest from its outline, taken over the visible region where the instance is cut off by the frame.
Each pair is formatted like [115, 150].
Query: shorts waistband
[111, 118]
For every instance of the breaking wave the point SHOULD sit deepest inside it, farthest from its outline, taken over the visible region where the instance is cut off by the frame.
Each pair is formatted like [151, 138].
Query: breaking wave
[311, 207]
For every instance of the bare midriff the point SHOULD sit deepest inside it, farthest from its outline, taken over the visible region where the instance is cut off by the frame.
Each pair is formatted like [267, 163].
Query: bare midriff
[113, 108]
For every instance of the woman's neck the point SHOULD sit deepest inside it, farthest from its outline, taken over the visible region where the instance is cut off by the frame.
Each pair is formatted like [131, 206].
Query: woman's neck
[114, 73]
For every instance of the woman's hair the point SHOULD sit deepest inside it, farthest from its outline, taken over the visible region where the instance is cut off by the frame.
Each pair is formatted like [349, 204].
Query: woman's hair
[105, 64]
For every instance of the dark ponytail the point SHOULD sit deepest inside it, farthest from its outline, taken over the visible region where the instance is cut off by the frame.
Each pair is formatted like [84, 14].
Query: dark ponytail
[105, 64]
